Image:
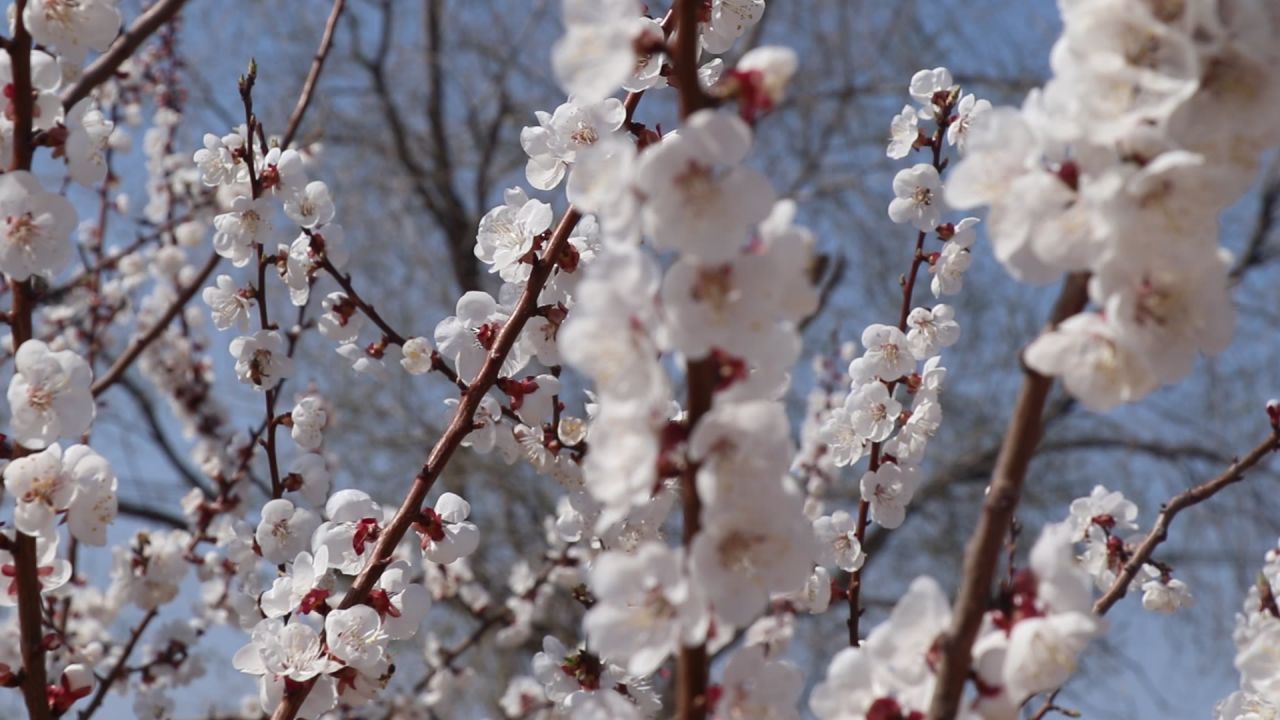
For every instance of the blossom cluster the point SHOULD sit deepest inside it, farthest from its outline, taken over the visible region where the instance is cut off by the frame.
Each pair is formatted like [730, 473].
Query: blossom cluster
[1119, 167]
[1105, 522]
[1029, 644]
[1255, 636]
[870, 419]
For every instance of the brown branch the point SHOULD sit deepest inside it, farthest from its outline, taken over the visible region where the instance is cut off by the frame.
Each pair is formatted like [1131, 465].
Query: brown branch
[1192, 496]
[344, 281]
[693, 668]
[983, 551]
[25, 558]
[122, 49]
[313, 74]
[452, 438]
[114, 674]
[136, 348]
[1049, 706]
[1160, 532]
[685, 60]
[147, 512]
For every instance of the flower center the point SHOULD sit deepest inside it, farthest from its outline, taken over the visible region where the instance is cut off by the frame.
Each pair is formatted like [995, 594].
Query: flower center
[715, 288]
[584, 135]
[39, 397]
[23, 230]
[697, 183]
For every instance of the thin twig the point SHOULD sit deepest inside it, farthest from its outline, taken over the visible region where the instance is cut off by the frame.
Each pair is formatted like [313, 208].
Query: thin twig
[1160, 532]
[144, 403]
[313, 74]
[136, 348]
[114, 674]
[344, 281]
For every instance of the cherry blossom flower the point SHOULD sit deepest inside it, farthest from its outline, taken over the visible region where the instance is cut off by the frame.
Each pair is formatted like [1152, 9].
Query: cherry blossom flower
[284, 530]
[1168, 305]
[927, 83]
[416, 356]
[37, 225]
[467, 338]
[596, 54]
[1043, 652]
[756, 686]
[890, 672]
[89, 132]
[507, 234]
[762, 546]
[931, 330]
[768, 70]
[872, 412]
[41, 490]
[341, 321]
[1095, 366]
[355, 637]
[49, 395]
[309, 418]
[229, 304]
[888, 356]
[837, 542]
[403, 604]
[1103, 506]
[729, 20]
[953, 262]
[77, 681]
[311, 472]
[304, 587]
[217, 160]
[585, 686]
[446, 535]
[1166, 597]
[150, 571]
[353, 523]
[845, 443]
[261, 359]
[73, 28]
[95, 504]
[645, 607]
[699, 198]
[889, 489]
[553, 146]
[967, 110]
[240, 231]
[279, 652]
[310, 207]
[904, 132]
[919, 199]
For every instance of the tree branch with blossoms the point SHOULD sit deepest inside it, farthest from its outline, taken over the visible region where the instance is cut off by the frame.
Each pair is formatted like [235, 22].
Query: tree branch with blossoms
[944, 105]
[1176, 504]
[638, 354]
[25, 550]
[1003, 493]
